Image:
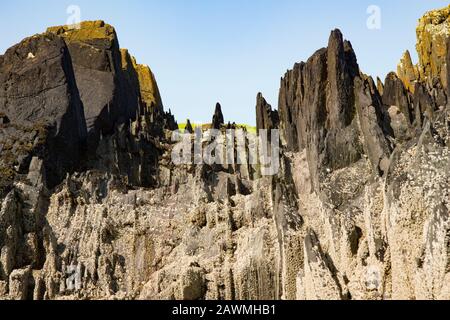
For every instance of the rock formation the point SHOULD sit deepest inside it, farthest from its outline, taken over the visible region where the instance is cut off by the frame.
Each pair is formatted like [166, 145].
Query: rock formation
[218, 120]
[266, 118]
[93, 207]
[407, 72]
[42, 105]
[432, 34]
[189, 128]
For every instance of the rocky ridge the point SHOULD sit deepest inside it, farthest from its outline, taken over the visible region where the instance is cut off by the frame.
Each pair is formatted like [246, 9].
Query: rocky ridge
[92, 206]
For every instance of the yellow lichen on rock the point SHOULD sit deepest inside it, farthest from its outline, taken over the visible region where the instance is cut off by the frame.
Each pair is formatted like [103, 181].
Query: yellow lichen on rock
[141, 75]
[86, 30]
[408, 72]
[432, 33]
[149, 89]
[147, 82]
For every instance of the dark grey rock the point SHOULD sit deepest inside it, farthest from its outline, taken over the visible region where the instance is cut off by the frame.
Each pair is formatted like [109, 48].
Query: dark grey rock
[395, 94]
[189, 128]
[266, 118]
[218, 120]
[318, 111]
[369, 113]
[39, 94]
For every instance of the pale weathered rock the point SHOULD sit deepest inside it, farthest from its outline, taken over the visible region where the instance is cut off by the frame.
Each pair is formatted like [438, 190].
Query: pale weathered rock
[18, 284]
[358, 210]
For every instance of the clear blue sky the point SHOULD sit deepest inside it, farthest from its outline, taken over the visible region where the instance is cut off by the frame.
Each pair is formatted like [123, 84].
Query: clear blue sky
[204, 51]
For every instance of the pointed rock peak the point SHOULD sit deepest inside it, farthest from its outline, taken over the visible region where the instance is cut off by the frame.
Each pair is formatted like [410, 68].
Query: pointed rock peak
[189, 127]
[218, 108]
[341, 54]
[407, 72]
[266, 118]
[335, 44]
[336, 37]
[260, 100]
[407, 57]
[391, 76]
[218, 119]
[380, 86]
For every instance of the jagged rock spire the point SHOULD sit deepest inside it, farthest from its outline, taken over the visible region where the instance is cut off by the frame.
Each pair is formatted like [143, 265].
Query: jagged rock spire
[189, 127]
[321, 103]
[407, 72]
[218, 120]
[266, 118]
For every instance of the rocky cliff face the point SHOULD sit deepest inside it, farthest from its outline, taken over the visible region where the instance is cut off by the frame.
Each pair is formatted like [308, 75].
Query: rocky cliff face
[432, 33]
[92, 206]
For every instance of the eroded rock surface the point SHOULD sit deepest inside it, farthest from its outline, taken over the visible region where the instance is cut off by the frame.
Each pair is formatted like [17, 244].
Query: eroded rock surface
[358, 210]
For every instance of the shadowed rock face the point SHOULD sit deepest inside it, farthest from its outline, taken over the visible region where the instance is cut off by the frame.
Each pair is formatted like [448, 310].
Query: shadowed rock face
[40, 99]
[110, 94]
[358, 210]
[319, 109]
[395, 94]
[266, 118]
